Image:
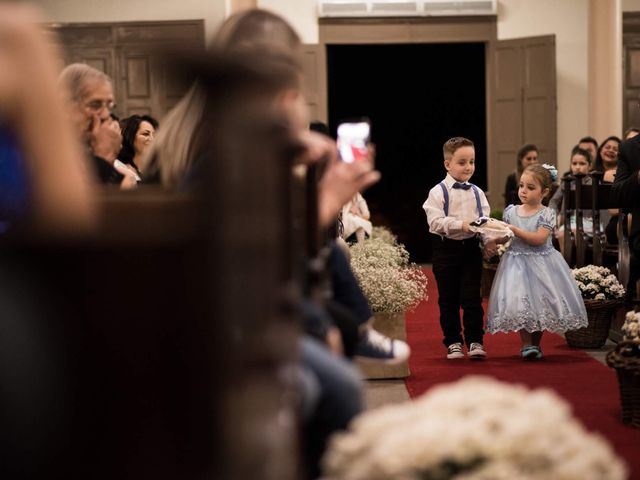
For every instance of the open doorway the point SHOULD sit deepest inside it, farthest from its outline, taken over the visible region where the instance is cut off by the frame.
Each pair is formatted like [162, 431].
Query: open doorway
[417, 96]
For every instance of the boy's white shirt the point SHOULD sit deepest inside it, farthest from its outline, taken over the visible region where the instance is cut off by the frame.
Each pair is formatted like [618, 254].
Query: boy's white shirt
[462, 207]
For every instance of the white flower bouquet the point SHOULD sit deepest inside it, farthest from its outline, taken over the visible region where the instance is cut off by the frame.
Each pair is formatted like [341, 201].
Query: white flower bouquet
[598, 283]
[390, 283]
[474, 429]
[631, 327]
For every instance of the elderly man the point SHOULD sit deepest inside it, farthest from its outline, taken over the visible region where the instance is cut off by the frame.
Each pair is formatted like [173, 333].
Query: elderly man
[90, 98]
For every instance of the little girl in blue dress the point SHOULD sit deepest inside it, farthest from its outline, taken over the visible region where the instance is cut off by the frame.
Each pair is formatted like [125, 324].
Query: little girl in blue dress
[534, 289]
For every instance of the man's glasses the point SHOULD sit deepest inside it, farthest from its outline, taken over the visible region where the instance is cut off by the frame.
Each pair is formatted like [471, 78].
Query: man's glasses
[98, 105]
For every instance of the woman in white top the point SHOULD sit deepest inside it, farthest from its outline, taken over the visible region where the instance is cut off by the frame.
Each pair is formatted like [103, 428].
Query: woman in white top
[355, 218]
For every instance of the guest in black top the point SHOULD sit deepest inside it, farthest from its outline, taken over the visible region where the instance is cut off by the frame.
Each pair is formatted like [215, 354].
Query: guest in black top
[625, 193]
[527, 155]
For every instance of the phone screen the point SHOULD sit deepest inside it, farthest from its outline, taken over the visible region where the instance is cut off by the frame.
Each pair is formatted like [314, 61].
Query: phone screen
[353, 141]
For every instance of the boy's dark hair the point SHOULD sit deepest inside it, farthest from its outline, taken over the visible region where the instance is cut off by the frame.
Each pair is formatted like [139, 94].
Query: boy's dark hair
[589, 140]
[630, 130]
[453, 144]
[581, 151]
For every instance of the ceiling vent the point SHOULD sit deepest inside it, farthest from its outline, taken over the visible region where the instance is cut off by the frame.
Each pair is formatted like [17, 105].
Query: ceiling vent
[404, 8]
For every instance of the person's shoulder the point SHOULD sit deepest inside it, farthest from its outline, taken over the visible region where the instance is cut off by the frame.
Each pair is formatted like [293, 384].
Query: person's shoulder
[438, 186]
[547, 212]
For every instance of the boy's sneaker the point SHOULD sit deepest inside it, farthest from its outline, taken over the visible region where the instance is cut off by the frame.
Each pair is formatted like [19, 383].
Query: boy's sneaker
[476, 351]
[455, 351]
[375, 346]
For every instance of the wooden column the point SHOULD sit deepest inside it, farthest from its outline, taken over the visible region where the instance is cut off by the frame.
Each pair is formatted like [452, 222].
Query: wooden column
[237, 5]
[605, 68]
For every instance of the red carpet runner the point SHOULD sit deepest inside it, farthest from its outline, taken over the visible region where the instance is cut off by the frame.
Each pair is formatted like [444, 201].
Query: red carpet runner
[587, 384]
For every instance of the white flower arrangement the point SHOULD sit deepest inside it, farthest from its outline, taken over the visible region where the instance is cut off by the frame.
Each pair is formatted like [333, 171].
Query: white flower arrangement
[475, 429]
[390, 283]
[631, 326]
[597, 283]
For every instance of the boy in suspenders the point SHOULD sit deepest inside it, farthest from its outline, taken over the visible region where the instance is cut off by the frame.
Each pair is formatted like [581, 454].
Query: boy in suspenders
[457, 258]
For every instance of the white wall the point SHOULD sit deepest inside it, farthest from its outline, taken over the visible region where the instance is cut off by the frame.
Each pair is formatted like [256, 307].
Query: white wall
[630, 5]
[568, 20]
[63, 11]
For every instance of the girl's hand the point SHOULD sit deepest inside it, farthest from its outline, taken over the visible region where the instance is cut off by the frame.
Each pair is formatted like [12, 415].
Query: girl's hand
[516, 231]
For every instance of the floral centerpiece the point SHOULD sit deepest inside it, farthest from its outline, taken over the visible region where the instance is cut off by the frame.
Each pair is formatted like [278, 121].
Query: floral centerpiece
[389, 281]
[631, 327]
[474, 429]
[602, 293]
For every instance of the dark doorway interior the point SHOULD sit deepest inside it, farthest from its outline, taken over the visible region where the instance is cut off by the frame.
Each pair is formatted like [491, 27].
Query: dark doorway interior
[417, 96]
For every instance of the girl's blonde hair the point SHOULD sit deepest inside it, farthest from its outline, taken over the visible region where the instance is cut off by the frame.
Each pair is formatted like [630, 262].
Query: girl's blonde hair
[257, 35]
[542, 175]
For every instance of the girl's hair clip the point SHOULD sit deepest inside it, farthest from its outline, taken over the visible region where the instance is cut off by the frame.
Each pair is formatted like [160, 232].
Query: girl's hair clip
[553, 171]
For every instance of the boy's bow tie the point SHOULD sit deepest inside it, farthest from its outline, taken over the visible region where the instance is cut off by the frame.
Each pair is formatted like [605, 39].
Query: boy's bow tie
[463, 186]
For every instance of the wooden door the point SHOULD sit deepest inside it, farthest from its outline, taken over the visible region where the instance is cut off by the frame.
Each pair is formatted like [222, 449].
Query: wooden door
[631, 88]
[132, 54]
[522, 106]
[314, 65]
[101, 58]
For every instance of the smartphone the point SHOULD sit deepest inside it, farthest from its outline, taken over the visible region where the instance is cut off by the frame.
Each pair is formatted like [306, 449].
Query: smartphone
[353, 140]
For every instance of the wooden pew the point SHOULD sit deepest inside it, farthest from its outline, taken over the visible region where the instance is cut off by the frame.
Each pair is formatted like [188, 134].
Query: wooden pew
[158, 347]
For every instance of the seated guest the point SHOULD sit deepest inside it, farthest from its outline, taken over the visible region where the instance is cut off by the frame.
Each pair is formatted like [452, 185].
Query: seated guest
[631, 132]
[90, 100]
[607, 162]
[625, 194]
[355, 219]
[580, 164]
[589, 144]
[527, 155]
[138, 132]
[607, 155]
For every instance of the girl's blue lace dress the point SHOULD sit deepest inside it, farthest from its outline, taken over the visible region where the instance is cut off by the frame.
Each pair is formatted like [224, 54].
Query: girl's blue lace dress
[534, 289]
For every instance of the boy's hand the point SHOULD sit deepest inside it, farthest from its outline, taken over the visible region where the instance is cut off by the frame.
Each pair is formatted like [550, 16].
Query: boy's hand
[490, 249]
[466, 227]
[504, 239]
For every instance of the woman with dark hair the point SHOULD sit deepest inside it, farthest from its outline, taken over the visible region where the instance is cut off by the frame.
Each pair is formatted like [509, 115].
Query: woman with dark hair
[607, 155]
[138, 132]
[527, 155]
[607, 162]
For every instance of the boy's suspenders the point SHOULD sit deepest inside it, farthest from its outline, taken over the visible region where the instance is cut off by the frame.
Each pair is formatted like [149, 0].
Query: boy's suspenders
[445, 193]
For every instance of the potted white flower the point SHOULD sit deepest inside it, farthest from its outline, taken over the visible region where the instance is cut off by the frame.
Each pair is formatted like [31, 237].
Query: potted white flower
[392, 286]
[626, 360]
[389, 281]
[602, 294]
[476, 428]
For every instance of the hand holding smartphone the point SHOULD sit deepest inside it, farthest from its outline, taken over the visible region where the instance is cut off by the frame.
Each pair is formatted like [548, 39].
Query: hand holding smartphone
[353, 141]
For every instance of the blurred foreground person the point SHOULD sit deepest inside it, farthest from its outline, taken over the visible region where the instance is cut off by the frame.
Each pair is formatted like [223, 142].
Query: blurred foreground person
[46, 198]
[41, 162]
